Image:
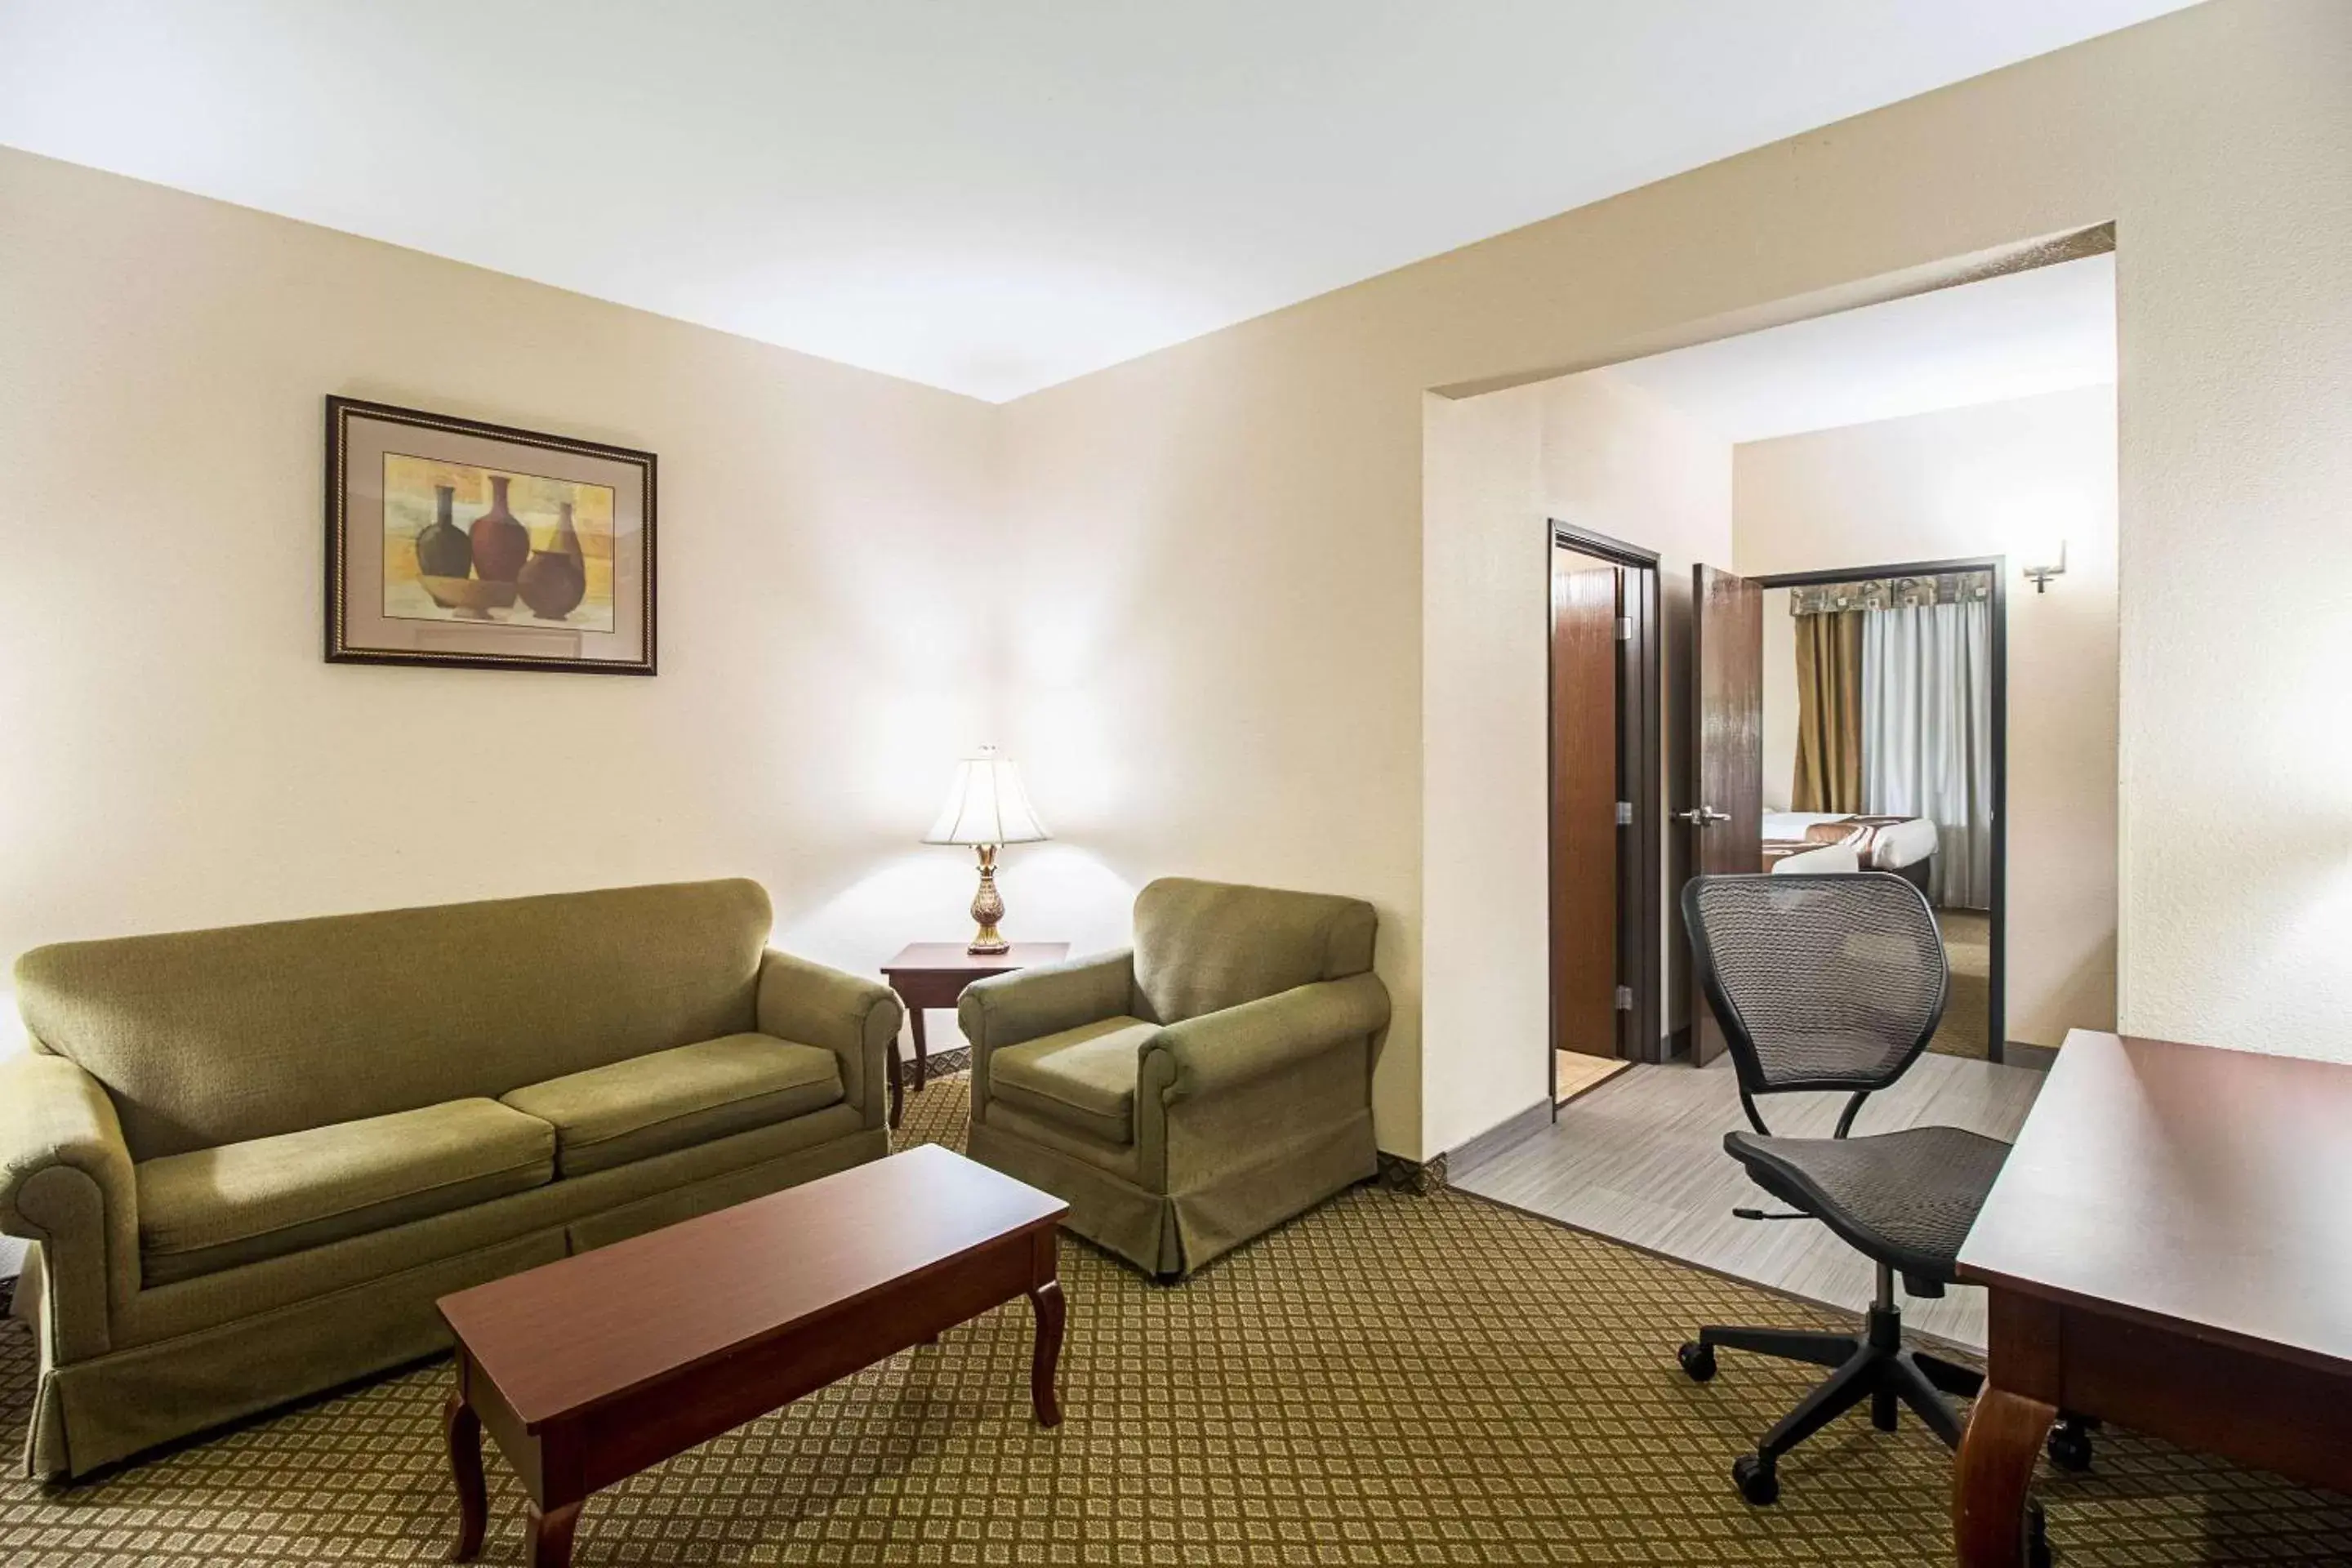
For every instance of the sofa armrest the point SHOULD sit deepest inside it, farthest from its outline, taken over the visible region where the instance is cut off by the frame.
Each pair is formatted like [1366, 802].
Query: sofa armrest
[1029, 1004]
[1237, 1046]
[856, 1020]
[66, 1180]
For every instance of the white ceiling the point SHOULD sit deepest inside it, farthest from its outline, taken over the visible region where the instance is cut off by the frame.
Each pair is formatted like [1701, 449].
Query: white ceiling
[2050, 329]
[989, 195]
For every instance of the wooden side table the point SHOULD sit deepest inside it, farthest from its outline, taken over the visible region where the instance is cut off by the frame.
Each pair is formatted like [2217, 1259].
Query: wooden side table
[934, 975]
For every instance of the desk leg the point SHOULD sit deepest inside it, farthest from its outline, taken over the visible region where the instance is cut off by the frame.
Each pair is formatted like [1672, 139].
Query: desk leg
[549, 1544]
[464, 1430]
[1992, 1475]
[1046, 1360]
[922, 1053]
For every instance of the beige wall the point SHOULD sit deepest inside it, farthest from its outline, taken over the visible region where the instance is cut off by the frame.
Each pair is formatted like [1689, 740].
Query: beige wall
[1588, 451]
[2002, 478]
[1251, 503]
[1214, 666]
[179, 753]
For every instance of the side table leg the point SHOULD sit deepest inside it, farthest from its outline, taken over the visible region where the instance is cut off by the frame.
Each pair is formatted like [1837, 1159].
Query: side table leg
[1045, 1361]
[1992, 1475]
[922, 1052]
[898, 1094]
[550, 1541]
[464, 1430]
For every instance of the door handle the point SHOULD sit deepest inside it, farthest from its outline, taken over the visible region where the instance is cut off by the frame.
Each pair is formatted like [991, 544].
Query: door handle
[1703, 815]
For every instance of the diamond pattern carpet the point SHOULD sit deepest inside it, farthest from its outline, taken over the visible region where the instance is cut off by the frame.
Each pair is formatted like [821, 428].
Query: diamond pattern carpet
[1391, 1380]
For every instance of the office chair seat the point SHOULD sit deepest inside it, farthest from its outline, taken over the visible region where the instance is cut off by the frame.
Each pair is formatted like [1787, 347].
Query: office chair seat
[1906, 1199]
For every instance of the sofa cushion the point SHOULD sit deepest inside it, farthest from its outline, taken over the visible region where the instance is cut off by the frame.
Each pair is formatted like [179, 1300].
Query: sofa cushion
[214, 1208]
[1082, 1078]
[668, 1100]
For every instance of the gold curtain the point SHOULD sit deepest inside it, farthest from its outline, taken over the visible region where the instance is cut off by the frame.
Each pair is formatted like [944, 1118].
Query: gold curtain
[1829, 712]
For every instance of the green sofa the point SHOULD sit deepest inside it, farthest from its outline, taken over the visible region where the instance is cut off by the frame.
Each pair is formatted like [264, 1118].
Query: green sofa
[252, 1159]
[1189, 1094]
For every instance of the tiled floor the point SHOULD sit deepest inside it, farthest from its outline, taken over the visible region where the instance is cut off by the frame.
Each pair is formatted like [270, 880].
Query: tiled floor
[1641, 1160]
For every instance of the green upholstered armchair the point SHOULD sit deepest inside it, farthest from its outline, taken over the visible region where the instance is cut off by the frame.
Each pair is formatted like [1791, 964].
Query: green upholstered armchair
[1197, 1090]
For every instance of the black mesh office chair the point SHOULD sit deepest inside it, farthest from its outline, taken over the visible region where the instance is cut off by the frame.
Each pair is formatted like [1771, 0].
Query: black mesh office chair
[1837, 982]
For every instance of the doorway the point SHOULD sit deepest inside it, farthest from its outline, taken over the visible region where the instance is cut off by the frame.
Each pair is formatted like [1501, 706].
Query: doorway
[1812, 451]
[1892, 720]
[1603, 818]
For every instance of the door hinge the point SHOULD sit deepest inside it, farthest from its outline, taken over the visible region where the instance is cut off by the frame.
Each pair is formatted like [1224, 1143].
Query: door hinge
[1624, 813]
[1624, 628]
[1624, 998]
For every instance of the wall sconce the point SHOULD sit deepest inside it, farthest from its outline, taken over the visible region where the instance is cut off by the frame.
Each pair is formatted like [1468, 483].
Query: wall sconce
[2040, 575]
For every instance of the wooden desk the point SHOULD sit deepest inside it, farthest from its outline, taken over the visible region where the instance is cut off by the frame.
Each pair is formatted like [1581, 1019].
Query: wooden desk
[2168, 1248]
[934, 975]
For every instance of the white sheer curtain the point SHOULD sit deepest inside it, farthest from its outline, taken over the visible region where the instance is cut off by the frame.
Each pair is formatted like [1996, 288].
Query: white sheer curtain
[1927, 736]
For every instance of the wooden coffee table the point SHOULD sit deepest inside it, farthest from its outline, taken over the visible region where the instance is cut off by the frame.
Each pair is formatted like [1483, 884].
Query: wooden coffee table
[591, 1369]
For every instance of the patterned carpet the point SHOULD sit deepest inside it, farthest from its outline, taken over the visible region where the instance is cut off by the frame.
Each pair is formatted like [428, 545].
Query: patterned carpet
[1391, 1380]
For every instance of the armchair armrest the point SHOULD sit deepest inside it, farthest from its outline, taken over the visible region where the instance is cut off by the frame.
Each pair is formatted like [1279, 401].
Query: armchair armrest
[856, 1020]
[1222, 1050]
[1006, 1009]
[67, 1182]
[1029, 1004]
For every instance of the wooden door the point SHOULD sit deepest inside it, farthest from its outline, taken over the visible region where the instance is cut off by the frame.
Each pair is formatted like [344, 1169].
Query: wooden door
[1585, 604]
[1725, 823]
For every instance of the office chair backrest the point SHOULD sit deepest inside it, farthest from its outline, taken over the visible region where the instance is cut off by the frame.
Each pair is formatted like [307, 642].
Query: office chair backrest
[1829, 982]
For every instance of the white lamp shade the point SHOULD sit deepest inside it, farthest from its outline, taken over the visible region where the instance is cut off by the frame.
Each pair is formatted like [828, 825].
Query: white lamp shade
[987, 804]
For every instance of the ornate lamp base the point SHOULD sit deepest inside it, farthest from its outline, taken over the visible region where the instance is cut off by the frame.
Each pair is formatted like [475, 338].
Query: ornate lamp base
[988, 908]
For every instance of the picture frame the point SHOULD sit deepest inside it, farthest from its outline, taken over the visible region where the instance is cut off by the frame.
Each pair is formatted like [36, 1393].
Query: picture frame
[460, 544]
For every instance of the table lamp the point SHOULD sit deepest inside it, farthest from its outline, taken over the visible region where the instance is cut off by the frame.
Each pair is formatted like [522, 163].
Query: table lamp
[987, 809]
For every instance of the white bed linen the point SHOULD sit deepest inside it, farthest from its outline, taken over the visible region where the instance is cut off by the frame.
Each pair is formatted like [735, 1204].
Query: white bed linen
[1829, 860]
[1902, 844]
[1788, 826]
[1892, 848]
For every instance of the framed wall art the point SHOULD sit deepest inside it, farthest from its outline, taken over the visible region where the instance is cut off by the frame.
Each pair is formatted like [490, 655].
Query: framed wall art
[454, 542]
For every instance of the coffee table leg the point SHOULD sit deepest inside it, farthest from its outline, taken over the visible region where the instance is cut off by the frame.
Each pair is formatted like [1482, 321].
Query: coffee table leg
[1045, 1361]
[550, 1537]
[464, 1430]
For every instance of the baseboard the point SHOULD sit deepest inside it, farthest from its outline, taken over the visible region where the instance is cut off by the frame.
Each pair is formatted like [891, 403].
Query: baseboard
[2018, 1054]
[1515, 1128]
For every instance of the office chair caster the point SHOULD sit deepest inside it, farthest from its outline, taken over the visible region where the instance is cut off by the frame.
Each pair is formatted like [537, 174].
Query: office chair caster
[2070, 1444]
[1755, 1479]
[1698, 1360]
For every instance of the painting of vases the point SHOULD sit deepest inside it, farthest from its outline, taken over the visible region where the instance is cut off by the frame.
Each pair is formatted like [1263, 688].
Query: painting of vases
[469, 543]
[454, 543]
